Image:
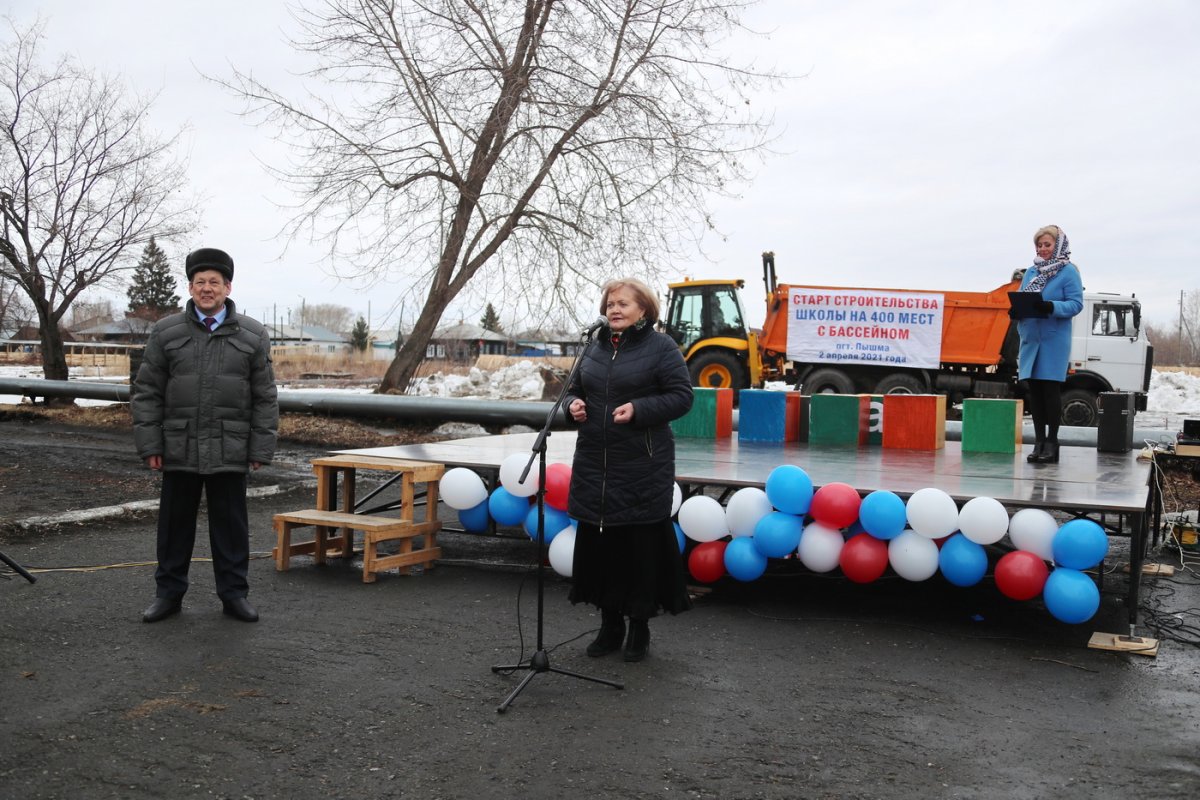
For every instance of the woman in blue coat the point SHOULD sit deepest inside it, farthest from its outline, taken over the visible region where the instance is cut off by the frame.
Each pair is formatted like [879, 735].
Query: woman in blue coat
[1046, 338]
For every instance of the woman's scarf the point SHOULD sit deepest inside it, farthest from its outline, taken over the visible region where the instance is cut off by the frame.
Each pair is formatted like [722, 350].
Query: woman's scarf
[1049, 268]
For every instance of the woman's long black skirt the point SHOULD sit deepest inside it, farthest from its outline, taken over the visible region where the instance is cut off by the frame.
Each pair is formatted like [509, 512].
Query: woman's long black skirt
[634, 569]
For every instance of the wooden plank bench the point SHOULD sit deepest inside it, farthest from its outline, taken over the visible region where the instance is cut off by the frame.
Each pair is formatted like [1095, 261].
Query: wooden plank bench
[376, 528]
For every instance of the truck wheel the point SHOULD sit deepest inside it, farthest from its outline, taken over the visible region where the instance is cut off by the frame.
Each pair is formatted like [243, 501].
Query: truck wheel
[900, 383]
[1079, 408]
[717, 370]
[827, 381]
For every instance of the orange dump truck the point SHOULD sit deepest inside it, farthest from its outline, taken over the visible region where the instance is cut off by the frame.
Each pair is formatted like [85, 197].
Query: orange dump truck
[880, 341]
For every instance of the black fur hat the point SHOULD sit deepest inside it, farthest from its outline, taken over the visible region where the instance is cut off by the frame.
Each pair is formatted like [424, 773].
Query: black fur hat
[209, 258]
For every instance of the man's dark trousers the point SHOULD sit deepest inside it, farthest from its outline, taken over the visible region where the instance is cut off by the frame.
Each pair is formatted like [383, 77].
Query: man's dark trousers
[228, 531]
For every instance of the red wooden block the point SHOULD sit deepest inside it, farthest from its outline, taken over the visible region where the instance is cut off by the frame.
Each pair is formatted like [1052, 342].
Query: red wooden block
[914, 421]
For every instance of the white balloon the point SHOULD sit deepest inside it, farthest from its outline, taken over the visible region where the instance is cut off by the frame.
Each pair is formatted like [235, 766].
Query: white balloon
[510, 475]
[820, 547]
[562, 551]
[1033, 529]
[983, 520]
[676, 498]
[912, 556]
[932, 513]
[745, 508]
[461, 489]
[703, 519]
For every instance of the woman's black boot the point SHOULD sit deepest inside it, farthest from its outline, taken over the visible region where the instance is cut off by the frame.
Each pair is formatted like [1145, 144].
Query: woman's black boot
[1039, 449]
[639, 640]
[612, 633]
[1050, 452]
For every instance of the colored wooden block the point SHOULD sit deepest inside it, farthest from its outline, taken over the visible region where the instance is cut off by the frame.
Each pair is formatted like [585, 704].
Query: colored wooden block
[875, 423]
[711, 415]
[839, 419]
[914, 421]
[766, 416]
[991, 425]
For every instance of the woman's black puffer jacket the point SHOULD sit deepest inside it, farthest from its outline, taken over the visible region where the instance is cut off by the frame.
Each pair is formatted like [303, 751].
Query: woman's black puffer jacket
[624, 474]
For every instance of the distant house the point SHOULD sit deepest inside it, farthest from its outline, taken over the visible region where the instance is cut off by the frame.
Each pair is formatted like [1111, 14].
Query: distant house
[536, 342]
[32, 333]
[308, 339]
[131, 330]
[464, 343]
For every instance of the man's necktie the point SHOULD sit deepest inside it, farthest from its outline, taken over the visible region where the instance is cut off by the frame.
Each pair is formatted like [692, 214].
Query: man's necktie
[210, 323]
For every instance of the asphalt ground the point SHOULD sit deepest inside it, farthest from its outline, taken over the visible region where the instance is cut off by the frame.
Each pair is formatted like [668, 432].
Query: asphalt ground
[794, 685]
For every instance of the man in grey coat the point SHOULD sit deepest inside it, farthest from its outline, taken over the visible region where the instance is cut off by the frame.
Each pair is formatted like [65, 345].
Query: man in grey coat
[205, 413]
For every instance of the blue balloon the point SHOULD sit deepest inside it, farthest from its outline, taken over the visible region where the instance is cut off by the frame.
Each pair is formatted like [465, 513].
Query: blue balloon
[506, 508]
[882, 514]
[555, 521]
[777, 534]
[1070, 596]
[790, 489]
[475, 520]
[1079, 544]
[680, 539]
[963, 562]
[742, 559]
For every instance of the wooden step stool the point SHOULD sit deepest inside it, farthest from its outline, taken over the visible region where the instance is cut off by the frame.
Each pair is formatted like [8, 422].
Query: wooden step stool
[375, 528]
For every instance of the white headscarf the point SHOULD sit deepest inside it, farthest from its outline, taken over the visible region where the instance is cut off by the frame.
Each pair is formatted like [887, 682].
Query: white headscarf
[1049, 268]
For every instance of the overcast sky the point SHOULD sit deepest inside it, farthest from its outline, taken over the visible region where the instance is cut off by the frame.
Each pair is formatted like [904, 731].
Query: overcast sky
[921, 148]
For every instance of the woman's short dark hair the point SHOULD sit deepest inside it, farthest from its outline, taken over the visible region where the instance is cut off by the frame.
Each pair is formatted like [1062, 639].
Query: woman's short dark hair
[641, 292]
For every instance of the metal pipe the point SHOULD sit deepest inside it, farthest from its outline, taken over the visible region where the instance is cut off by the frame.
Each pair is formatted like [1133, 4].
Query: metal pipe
[457, 409]
[389, 406]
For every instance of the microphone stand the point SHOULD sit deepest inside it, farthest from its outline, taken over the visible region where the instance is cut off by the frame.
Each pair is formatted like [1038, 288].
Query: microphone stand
[539, 662]
[17, 568]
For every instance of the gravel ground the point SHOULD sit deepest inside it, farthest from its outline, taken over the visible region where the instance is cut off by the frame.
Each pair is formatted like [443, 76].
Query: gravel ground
[794, 685]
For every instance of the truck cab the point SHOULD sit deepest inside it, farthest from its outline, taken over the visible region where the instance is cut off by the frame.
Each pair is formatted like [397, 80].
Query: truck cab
[1109, 353]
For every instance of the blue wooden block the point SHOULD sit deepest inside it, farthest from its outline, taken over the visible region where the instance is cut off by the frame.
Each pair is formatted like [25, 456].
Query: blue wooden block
[766, 416]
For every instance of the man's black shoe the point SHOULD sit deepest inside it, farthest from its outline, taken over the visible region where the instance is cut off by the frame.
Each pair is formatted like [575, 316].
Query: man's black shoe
[240, 608]
[162, 608]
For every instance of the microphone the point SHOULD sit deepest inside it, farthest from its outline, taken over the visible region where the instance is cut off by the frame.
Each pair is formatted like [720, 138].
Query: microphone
[595, 326]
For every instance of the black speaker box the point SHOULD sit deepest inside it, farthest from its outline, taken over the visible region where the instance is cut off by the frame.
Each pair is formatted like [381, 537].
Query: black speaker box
[1114, 426]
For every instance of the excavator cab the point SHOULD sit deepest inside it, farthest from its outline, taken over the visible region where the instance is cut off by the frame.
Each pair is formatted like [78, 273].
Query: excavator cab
[706, 320]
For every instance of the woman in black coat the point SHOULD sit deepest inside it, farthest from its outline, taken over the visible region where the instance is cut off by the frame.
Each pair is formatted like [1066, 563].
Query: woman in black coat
[631, 383]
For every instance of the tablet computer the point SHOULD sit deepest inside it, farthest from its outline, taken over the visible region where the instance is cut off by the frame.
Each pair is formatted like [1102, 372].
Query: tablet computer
[1026, 304]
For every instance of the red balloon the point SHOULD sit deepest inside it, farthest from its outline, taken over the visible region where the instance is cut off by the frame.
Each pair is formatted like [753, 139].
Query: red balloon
[835, 505]
[1021, 575]
[864, 558]
[558, 484]
[707, 561]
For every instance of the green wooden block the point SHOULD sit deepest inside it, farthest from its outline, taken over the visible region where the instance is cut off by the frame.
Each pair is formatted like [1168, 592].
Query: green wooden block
[839, 419]
[711, 415]
[991, 425]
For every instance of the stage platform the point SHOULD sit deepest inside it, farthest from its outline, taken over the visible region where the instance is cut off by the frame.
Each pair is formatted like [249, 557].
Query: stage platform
[1114, 489]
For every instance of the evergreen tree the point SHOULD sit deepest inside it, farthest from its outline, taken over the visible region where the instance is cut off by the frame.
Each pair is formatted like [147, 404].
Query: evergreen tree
[491, 320]
[360, 337]
[152, 293]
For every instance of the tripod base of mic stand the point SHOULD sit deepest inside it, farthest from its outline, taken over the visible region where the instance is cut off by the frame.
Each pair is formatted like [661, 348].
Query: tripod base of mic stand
[17, 568]
[540, 662]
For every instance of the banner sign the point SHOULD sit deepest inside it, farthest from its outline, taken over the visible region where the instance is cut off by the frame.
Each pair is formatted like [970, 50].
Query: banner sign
[864, 326]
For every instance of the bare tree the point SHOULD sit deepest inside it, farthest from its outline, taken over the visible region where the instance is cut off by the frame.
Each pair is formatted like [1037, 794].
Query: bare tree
[531, 149]
[83, 183]
[329, 316]
[14, 312]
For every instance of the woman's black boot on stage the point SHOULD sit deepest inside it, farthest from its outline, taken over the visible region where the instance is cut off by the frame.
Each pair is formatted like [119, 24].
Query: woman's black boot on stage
[639, 640]
[612, 633]
[1039, 449]
[1050, 453]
